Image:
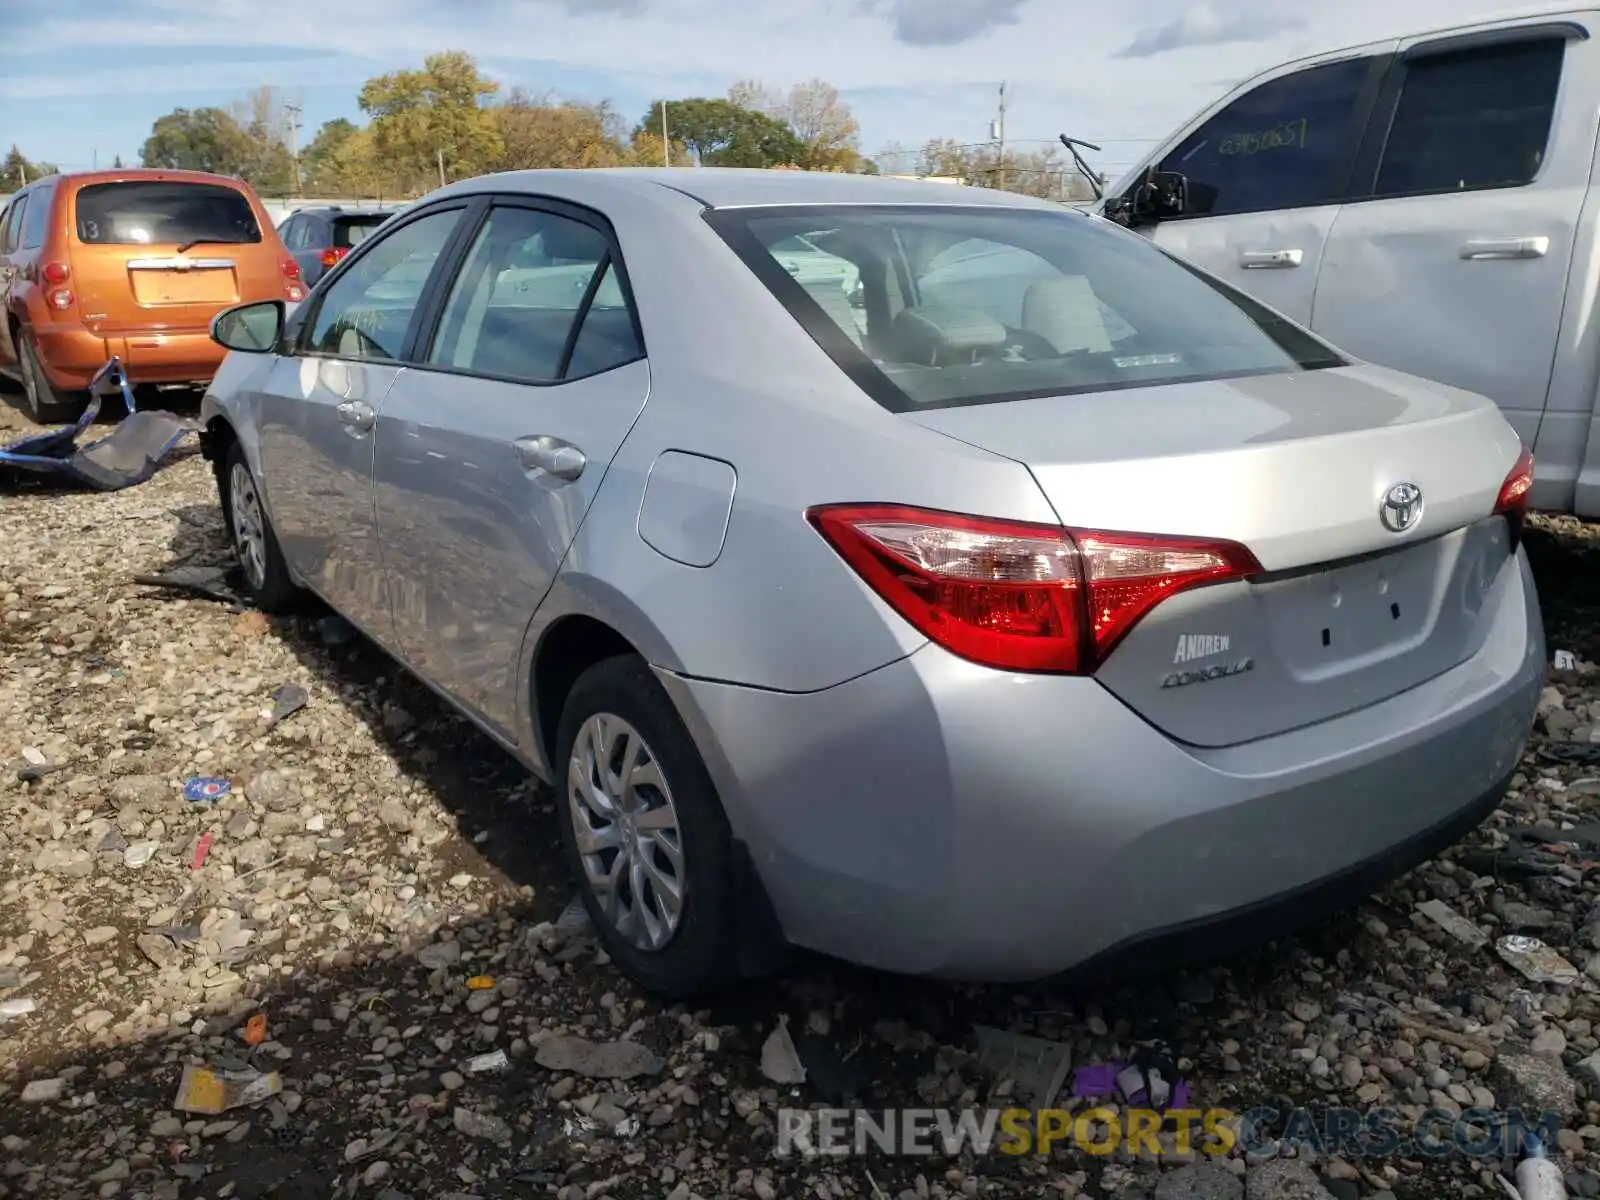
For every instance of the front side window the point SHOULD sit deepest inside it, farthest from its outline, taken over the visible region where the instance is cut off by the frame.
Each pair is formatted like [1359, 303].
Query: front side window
[528, 282]
[164, 214]
[292, 232]
[968, 306]
[368, 310]
[1473, 119]
[1280, 145]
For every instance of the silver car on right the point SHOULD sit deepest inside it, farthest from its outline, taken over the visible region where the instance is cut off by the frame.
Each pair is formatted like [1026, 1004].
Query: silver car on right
[1001, 596]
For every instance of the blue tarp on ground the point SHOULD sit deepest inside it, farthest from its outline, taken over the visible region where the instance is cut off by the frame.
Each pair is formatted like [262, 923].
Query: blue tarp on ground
[128, 455]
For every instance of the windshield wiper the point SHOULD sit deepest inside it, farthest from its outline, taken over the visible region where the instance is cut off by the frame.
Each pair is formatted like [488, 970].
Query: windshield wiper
[193, 242]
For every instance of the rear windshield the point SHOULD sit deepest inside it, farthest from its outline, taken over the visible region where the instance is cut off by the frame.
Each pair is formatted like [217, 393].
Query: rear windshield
[941, 306]
[352, 231]
[164, 213]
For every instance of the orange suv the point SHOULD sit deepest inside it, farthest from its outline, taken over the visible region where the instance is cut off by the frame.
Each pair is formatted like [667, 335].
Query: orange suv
[133, 264]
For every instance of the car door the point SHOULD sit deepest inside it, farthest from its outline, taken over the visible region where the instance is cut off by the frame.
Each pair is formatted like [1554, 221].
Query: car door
[317, 409]
[493, 445]
[12, 279]
[1265, 175]
[1455, 265]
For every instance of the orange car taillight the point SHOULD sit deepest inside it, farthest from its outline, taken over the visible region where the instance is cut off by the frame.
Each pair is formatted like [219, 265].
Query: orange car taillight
[1017, 596]
[332, 255]
[293, 290]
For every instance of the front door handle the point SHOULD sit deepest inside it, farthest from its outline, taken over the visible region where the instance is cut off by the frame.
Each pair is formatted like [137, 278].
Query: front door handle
[357, 417]
[1518, 247]
[550, 455]
[1256, 260]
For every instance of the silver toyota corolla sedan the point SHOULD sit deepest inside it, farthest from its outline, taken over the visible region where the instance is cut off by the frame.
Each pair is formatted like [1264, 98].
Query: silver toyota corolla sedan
[1007, 596]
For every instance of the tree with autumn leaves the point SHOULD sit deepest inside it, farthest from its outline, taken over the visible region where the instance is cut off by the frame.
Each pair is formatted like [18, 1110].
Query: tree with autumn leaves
[447, 120]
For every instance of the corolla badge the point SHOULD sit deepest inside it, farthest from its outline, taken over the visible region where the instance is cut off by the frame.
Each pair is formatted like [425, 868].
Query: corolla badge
[1401, 508]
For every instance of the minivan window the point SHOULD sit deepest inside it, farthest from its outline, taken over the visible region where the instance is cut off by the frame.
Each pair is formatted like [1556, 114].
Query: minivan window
[11, 228]
[165, 212]
[1472, 119]
[975, 305]
[1280, 145]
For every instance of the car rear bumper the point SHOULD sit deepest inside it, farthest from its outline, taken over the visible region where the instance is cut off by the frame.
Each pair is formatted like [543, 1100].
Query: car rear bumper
[73, 353]
[934, 817]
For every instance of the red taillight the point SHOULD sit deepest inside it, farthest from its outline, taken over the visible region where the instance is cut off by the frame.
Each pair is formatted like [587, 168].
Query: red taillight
[1019, 596]
[55, 272]
[293, 290]
[1513, 498]
[333, 254]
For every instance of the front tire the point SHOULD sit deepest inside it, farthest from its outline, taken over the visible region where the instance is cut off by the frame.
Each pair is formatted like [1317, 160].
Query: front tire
[644, 833]
[266, 576]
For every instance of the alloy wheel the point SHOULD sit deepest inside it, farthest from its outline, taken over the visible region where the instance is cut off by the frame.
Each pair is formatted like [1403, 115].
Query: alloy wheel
[249, 526]
[627, 830]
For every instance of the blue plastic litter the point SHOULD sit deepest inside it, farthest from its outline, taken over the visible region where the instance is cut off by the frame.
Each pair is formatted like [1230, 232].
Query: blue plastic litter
[129, 455]
[206, 789]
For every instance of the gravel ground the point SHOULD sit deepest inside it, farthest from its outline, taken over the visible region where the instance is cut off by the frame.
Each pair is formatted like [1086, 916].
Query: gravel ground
[374, 855]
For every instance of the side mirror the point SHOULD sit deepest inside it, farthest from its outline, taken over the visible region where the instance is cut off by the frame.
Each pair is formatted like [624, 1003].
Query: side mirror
[249, 328]
[1158, 196]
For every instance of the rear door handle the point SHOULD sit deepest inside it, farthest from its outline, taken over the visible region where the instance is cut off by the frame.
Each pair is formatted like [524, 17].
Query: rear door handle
[1493, 248]
[541, 452]
[357, 417]
[1256, 260]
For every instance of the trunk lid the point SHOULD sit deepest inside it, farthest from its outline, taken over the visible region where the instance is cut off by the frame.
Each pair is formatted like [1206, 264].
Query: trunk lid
[168, 254]
[1296, 468]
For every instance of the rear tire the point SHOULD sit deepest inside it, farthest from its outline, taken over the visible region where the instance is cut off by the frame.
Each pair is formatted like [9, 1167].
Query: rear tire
[266, 576]
[45, 405]
[650, 833]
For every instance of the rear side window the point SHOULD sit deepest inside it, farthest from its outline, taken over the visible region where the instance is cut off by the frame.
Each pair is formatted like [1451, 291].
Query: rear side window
[36, 220]
[11, 229]
[1280, 145]
[946, 306]
[164, 213]
[1474, 119]
[537, 301]
[352, 231]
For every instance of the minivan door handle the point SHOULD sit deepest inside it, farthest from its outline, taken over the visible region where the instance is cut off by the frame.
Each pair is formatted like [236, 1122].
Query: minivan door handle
[1256, 260]
[541, 452]
[1495, 248]
[357, 417]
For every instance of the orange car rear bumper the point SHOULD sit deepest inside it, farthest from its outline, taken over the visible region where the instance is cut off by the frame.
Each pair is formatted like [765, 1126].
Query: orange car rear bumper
[72, 354]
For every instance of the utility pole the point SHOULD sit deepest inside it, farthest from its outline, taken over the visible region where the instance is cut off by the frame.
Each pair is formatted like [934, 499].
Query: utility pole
[666, 143]
[998, 132]
[441, 168]
[292, 111]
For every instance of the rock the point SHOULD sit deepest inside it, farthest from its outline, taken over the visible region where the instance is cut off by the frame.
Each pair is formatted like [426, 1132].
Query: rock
[1284, 1179]
[597, 1060]
[272, 791]
[395, 815]
[43, 1091]
[1532, 1083]
[157, 949]
[1199, 1181]
[479, 1125]
[100, 935]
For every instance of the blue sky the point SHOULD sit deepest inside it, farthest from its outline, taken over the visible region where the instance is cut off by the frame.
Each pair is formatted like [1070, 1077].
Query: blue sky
[82, 82]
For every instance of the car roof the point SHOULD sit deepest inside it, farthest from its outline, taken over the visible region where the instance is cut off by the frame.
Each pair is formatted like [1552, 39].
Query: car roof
[1562, 8]
[343, 210]
[739, 187]
[149, 175]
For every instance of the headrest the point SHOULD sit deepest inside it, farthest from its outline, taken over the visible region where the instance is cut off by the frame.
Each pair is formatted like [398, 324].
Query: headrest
[939, 336]
[572, 239]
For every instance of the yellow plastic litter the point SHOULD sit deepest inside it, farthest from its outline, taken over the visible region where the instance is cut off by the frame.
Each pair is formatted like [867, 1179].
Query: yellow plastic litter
[208, 1093]
[480, 983]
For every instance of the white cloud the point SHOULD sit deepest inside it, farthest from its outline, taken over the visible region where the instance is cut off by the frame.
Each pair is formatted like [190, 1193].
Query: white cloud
[914, 68]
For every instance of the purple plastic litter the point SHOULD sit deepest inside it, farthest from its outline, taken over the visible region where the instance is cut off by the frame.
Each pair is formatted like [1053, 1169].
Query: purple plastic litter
[1091, 1083]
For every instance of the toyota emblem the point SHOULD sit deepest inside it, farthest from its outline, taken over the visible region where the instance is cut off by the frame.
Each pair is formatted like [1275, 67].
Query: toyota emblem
[1401, 508]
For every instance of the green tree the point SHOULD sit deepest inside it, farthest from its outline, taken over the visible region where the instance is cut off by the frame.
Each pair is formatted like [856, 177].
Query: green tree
[721, 134]
[16, 169]
[317, 160]
[421, 119]
[202, 139]
[815, 113]
[269, 163]
[116, 163]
